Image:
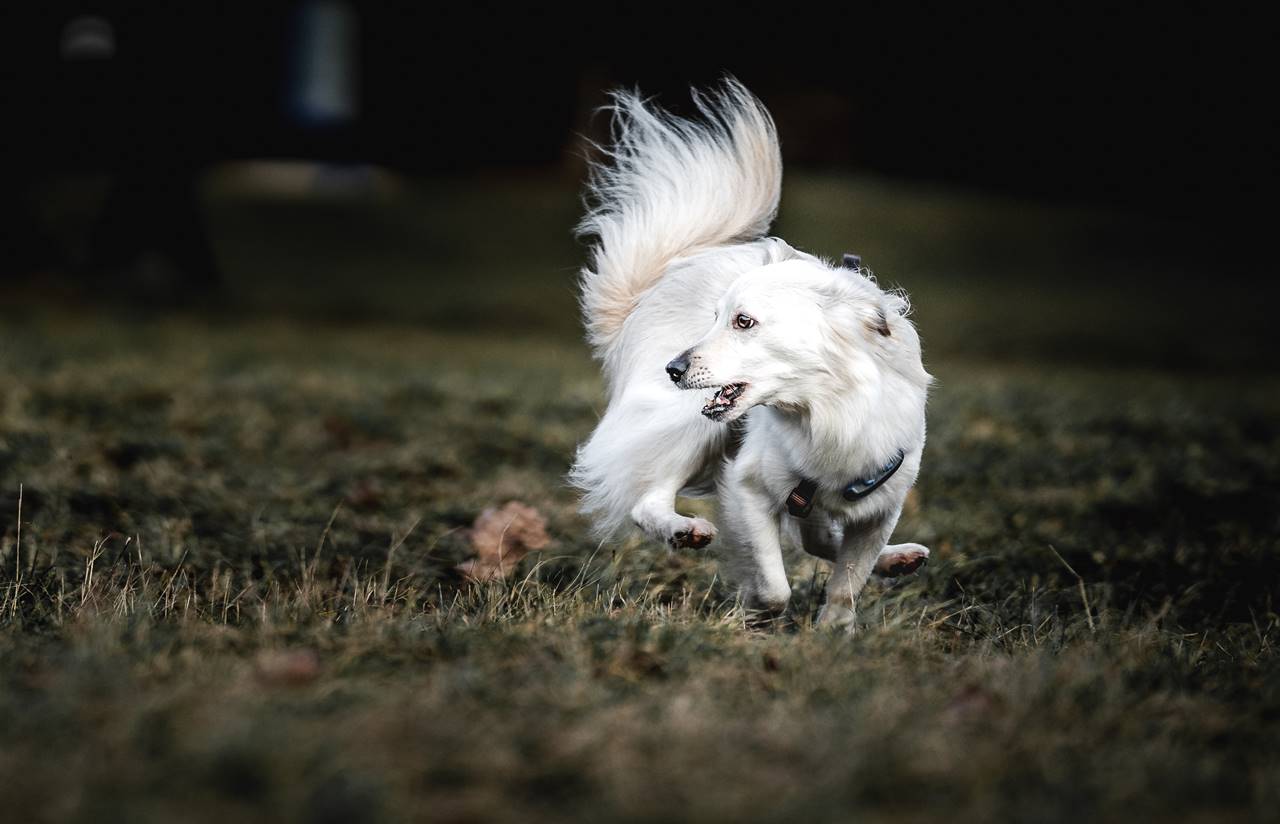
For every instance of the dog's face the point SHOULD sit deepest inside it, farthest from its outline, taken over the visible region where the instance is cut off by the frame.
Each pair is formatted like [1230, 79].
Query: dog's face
[784, 335]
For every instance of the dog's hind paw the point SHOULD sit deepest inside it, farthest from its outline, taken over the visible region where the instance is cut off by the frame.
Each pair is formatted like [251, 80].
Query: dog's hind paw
[901, 559]
[694, 533]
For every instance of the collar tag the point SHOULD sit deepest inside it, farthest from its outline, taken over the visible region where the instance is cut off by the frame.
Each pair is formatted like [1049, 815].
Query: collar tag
[800, 501]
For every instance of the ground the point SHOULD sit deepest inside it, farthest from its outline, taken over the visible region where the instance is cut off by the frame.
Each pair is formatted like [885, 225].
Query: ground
[226, 584]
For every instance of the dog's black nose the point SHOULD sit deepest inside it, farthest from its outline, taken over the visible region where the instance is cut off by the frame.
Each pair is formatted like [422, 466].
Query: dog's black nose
[678, 366]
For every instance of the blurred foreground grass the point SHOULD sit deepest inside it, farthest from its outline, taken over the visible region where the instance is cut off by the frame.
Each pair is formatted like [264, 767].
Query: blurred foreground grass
[233, 597]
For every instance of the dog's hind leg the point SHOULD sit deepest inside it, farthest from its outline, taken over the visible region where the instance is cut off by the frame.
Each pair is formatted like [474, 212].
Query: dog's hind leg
[822, 537]
[901, 559]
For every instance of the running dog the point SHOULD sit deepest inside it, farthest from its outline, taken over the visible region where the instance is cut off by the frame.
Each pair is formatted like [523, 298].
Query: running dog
[736, 366]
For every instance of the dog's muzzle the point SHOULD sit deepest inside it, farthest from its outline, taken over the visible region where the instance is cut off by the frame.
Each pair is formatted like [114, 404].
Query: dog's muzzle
[678, 367]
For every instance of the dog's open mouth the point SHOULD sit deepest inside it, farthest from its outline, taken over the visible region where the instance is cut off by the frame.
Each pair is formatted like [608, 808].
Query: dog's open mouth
[723, 400]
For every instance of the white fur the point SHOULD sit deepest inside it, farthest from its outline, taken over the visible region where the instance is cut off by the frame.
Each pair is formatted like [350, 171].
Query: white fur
[678, 211]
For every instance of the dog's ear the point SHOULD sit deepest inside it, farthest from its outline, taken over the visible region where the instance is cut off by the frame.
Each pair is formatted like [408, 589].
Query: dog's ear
[881, 322]
[893, 304]
[873, 315]
[857, 301]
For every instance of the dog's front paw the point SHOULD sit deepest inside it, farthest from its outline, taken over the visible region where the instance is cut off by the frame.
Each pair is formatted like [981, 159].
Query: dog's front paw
[693, 533]
[838, 617]
[901, 559]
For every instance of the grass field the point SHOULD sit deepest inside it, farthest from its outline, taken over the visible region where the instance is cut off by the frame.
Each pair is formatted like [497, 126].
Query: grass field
[226, 586]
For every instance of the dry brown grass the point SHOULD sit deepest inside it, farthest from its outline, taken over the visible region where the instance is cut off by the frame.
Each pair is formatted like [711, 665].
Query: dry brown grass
[233, 596]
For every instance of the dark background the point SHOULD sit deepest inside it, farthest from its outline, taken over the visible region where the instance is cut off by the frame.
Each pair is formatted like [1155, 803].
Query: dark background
[1145, 109]
[1142, 105]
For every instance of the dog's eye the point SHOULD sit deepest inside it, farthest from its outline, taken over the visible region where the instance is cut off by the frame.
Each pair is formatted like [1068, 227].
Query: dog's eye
[744, 322]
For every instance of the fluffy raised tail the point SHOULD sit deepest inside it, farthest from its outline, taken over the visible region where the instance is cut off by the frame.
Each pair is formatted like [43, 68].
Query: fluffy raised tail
[669, 186]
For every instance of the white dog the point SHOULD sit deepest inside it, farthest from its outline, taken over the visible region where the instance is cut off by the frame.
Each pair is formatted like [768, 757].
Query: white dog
[738, 365]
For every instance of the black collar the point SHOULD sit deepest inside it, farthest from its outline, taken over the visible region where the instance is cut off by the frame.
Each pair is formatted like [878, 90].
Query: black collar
[800, 501]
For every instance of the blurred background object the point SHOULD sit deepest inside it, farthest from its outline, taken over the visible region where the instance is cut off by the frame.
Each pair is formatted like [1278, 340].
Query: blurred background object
[211, 155]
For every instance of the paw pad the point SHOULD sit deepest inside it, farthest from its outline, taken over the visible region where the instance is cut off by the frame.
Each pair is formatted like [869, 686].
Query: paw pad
[908, 566]
[690, 538]
[897, 562]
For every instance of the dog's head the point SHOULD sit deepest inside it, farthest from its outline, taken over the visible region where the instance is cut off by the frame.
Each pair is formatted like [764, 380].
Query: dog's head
[791, 333]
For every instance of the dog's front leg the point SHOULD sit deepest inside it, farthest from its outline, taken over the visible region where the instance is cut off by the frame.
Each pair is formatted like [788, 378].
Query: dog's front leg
[655, 514]
[752, 556]
[855, 559]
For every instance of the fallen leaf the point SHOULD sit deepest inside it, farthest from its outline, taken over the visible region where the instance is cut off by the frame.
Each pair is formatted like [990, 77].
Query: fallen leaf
[287, 667]
[500, 538]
